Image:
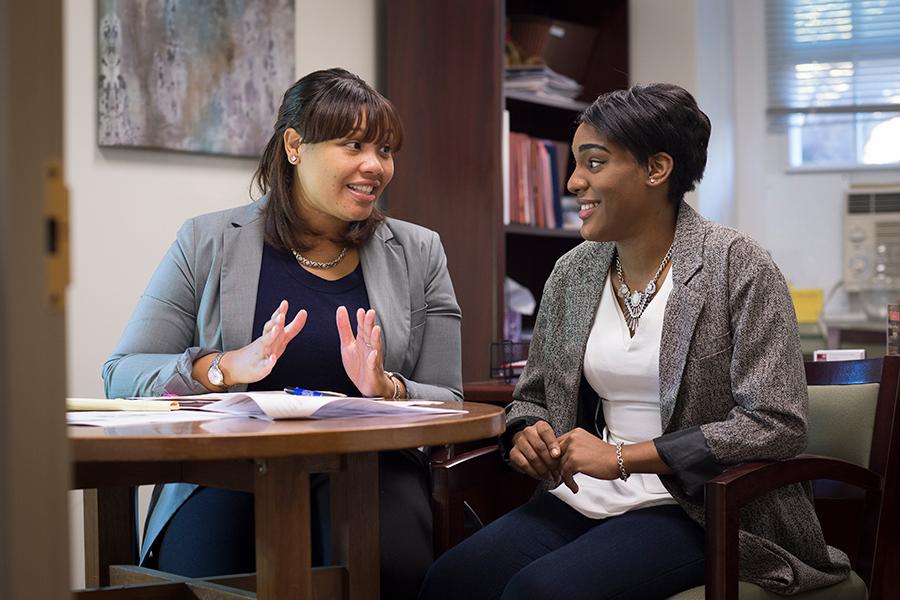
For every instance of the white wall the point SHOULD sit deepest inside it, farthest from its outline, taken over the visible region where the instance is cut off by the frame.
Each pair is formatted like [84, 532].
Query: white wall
[126, 205]
[662, 42]
[686, 42]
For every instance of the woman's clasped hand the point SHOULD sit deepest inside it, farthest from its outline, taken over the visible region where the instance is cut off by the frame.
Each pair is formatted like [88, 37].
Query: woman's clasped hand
[539, 453]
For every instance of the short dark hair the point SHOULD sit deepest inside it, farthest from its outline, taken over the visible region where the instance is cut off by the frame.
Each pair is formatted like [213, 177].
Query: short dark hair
[323, 105]
[659, 117]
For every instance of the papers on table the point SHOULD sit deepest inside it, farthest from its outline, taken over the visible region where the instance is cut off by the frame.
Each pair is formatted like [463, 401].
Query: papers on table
[279, 405]
[122, 418]
[260, 405]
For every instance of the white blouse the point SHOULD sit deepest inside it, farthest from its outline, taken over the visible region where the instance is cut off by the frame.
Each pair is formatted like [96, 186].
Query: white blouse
[624, 371]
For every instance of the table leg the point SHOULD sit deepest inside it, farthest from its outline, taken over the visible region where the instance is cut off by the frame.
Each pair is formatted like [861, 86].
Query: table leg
[283, 552]
[110, 537]
[354, 524]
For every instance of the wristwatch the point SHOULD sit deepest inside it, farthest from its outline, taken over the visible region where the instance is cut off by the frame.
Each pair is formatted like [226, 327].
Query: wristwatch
[215, 375]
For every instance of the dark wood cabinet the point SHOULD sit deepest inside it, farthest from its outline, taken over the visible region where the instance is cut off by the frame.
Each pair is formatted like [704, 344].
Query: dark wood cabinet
[442, 66]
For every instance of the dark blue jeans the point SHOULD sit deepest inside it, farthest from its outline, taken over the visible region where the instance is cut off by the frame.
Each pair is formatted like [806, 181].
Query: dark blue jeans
[546, 549]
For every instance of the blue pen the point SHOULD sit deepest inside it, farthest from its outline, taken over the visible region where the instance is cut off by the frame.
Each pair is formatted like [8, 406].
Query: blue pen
[298, 391]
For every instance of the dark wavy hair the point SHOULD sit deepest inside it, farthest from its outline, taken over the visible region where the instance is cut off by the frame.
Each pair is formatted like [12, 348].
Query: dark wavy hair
[324, 105]
[659, 117]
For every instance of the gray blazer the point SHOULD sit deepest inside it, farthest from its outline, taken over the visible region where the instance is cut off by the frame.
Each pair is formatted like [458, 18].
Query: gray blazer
[732, 386]
[202, 298]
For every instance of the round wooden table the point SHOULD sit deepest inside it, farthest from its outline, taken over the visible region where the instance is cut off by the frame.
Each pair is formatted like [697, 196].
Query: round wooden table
[273, 459]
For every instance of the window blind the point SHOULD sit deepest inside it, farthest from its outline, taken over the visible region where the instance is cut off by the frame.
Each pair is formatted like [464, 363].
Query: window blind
[833, 57]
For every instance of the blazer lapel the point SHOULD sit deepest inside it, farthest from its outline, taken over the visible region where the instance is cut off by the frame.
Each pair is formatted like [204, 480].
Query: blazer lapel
[581, 301]
[241, 262]
[682, 309]
[387, 284]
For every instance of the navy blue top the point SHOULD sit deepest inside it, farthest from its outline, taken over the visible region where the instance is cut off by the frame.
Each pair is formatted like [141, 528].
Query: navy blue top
[311, 360]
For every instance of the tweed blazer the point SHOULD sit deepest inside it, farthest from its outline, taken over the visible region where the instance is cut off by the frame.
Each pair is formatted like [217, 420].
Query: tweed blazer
[732, 386]
[202, 298]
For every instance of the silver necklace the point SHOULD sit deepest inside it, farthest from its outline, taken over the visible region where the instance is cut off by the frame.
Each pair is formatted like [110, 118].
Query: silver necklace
[636, 301]
[314, 264]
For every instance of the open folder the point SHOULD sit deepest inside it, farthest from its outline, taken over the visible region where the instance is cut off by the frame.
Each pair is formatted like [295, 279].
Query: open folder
[104, 404]
[280, 405]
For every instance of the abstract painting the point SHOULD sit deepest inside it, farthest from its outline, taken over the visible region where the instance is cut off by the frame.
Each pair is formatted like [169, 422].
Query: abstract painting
[201, 76]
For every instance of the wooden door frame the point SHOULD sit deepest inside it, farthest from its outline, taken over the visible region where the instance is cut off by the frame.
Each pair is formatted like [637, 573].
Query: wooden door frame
[34, 466]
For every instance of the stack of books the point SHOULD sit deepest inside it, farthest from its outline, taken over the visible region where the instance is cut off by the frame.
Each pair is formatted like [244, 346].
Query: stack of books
[540, 80]
[536, 181]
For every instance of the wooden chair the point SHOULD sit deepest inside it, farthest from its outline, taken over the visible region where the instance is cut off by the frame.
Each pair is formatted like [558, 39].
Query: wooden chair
[853, 429]
[470, 489]
[853, 460]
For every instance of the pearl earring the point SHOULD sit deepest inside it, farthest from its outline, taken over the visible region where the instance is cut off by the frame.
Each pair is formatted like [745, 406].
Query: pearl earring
[652, 180]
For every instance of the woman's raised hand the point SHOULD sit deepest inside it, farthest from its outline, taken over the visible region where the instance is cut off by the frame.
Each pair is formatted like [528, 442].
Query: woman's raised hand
[255, 360]
[361, 354]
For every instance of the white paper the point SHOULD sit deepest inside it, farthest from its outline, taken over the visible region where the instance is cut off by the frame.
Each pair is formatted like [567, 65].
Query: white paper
[281, 405]
[118, 418]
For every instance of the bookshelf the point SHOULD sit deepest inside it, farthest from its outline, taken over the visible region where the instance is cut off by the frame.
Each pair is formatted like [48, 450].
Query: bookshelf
[442, 66]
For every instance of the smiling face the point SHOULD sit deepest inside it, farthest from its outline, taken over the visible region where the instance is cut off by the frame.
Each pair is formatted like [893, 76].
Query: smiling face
[340, 179]
[611, 187]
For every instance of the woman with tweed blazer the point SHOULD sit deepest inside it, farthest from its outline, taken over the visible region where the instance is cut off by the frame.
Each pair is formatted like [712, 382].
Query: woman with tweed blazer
[666, 349]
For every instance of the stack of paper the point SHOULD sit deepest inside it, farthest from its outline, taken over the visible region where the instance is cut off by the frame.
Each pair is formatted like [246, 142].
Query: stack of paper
[541, 80]
[104, 404]
[259, 405]
[280, 405]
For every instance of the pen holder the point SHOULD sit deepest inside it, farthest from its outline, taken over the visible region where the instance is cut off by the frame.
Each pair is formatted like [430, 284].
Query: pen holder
[508, 359]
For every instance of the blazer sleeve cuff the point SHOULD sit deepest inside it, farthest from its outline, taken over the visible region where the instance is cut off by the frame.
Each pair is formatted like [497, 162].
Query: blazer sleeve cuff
[425, 391]
[181, 381]
[513, 427]
[688, 455]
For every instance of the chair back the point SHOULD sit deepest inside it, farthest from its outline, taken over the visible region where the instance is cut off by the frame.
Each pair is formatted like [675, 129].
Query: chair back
[854, 416]
[851, 409]
[842, 420]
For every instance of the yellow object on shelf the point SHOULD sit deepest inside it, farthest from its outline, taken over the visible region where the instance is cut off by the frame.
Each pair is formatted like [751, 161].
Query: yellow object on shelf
[808, 303]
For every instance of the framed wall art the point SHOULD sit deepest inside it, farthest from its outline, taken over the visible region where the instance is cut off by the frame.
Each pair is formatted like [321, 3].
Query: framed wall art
[202, 76]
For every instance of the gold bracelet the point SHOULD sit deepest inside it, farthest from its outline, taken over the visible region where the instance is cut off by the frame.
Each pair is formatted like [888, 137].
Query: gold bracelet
[396, 383]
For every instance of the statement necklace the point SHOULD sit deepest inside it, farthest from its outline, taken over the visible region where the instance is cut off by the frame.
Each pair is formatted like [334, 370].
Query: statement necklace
[314, 264]
[636, 301]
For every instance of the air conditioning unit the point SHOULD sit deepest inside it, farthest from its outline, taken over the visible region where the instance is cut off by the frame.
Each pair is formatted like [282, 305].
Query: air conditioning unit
[871, 238]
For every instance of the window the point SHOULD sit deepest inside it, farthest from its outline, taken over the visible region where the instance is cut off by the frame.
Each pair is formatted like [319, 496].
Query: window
[834, 80]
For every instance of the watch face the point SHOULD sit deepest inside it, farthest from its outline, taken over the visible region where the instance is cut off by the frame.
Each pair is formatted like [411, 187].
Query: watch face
[215, 375]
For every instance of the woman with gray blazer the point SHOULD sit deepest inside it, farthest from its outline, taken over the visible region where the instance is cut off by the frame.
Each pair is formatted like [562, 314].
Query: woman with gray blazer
[260, 297]
[666, 349]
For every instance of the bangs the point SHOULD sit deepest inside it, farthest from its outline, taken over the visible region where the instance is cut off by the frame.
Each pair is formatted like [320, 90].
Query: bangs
[339, 112]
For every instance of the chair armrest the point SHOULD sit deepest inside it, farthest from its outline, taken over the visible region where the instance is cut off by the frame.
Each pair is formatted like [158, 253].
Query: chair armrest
[468, 468]
[478, 481]
[748, 481]
[732, 490]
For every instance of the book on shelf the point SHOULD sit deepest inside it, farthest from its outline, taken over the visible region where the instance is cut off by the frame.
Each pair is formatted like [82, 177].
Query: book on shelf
[533, 192]
[504, 164]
